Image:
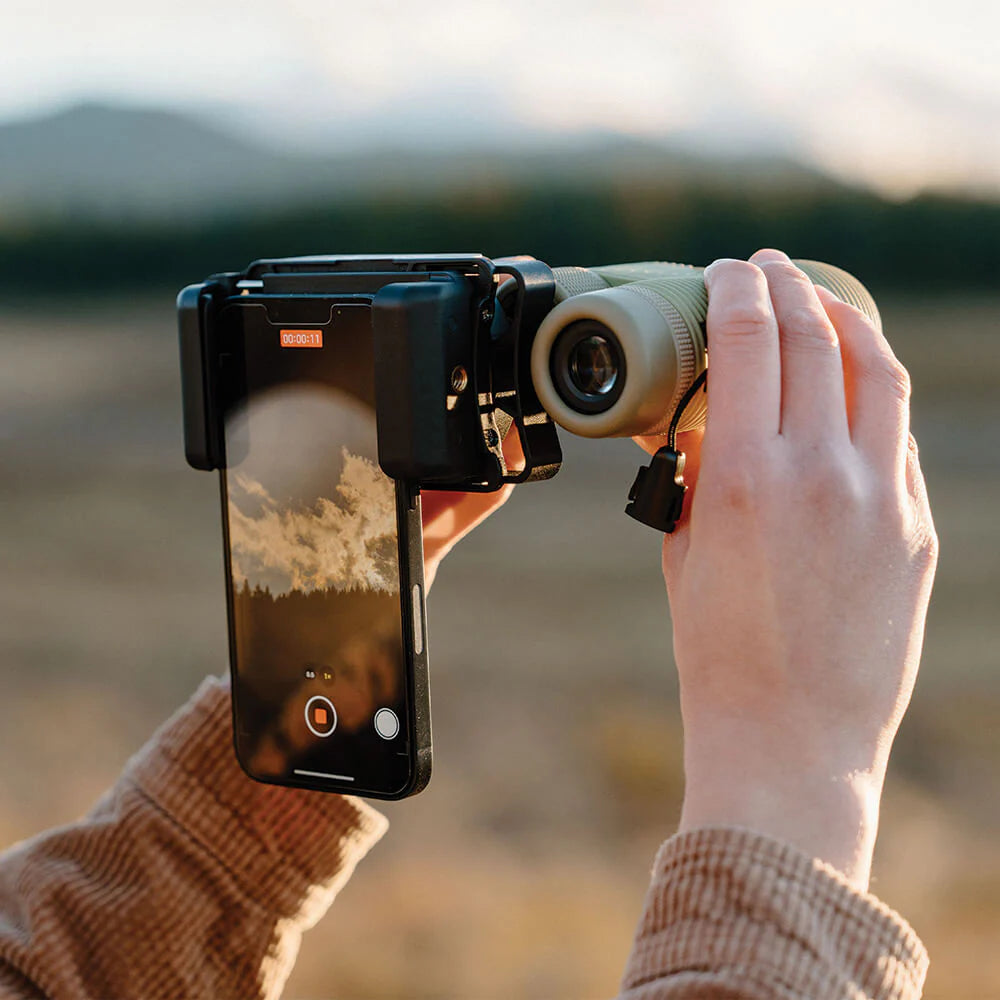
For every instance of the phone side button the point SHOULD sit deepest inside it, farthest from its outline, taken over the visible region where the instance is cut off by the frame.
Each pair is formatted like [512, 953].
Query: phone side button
[418, 620]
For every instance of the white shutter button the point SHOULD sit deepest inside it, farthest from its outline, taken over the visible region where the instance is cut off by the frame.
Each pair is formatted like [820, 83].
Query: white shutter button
[387, 723]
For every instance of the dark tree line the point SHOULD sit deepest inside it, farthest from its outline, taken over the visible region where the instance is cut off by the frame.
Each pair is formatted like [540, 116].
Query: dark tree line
[927, 243]
[299, 628]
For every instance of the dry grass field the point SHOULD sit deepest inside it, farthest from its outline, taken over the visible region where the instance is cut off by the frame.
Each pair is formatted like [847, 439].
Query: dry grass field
[521, 870]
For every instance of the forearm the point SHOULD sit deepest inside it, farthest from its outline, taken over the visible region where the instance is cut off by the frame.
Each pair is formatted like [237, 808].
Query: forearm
[734, 914]
[186, 879]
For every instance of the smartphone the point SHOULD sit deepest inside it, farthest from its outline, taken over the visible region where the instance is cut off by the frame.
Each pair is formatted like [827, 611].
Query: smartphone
[324, 560]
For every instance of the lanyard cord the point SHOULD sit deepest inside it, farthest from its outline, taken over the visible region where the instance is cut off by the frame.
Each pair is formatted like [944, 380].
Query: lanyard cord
[682, 406]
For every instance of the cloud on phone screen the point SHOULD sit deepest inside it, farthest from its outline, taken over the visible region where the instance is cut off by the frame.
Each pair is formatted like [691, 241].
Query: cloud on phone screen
[345, 542]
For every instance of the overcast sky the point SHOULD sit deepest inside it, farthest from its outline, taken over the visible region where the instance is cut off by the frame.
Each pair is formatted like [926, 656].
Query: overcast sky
[895, 93]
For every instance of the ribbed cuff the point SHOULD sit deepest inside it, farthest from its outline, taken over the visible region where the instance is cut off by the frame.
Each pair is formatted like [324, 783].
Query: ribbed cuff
[284, 845]
[755, 912]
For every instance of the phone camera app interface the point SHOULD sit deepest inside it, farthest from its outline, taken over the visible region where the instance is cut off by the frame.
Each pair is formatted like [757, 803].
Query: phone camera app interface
[314, 565]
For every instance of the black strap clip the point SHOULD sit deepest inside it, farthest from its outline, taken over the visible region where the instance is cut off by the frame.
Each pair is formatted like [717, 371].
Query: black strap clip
[657, 495]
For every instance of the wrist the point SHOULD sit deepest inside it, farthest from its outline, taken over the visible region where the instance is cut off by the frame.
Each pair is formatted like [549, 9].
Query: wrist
[827, 811]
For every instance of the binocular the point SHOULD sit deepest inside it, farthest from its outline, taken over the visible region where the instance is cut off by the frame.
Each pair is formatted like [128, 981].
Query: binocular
[624, 343]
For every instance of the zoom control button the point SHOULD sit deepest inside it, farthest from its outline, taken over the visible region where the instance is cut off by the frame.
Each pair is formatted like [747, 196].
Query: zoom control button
[321, 716]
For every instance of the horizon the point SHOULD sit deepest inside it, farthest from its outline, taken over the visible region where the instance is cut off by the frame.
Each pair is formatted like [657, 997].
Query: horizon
[511, 141]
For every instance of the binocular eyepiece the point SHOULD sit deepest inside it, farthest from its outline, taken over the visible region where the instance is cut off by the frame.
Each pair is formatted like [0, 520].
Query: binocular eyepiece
[624, 343]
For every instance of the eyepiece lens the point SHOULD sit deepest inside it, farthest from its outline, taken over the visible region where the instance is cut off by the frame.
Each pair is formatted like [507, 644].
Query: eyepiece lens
[587, 365]
[593, 367]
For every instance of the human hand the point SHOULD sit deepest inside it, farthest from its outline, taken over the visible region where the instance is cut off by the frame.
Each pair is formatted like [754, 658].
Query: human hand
[800, 574]
[449, 517]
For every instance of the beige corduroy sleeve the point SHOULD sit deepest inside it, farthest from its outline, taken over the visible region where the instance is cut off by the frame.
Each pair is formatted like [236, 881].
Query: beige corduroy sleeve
[190, 880]
[187, 879]
[734, 914]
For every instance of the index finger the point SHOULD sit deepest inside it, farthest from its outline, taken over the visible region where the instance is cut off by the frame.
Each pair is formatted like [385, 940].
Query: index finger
[744, 376]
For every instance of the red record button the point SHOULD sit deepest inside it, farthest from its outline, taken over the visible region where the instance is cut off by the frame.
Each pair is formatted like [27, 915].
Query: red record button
[321, 716]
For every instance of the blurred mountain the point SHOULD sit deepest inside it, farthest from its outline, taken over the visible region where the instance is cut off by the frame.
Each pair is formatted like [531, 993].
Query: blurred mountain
[107, 161]
[122, 163]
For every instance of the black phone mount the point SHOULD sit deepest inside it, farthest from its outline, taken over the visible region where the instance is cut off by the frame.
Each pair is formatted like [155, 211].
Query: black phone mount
[452, 337]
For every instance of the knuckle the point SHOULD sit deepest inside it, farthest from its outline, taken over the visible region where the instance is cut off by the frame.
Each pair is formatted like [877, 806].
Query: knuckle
[734, 482]
[923, 542]
[889, 375]
[743, 321]
[829, 481]
[897, 379]
[736, 494]
[806, 328]
[884, 370]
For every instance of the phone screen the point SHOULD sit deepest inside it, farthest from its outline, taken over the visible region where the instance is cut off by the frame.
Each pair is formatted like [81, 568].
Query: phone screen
[322, 686]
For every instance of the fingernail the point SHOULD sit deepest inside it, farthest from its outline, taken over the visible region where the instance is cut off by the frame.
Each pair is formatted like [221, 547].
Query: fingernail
[769, 253]
[707, 273]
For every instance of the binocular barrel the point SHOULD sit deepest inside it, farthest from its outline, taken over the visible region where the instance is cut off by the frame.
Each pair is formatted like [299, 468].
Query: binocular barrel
[624, 343]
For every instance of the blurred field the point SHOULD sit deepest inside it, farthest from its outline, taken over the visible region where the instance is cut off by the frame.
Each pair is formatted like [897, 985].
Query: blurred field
[521, 871]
